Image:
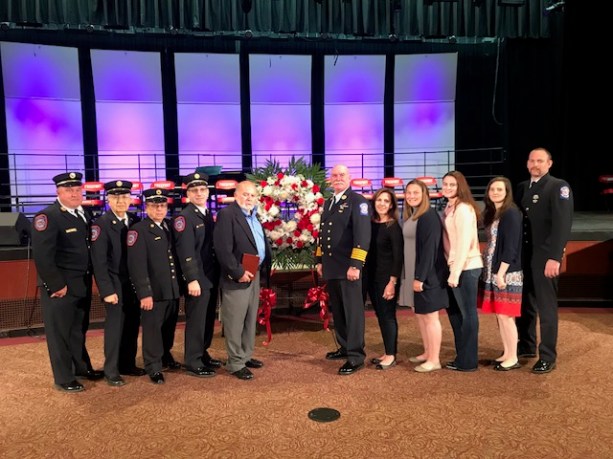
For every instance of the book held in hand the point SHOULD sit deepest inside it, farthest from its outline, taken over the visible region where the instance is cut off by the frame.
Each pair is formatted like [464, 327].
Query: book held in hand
[251, 263]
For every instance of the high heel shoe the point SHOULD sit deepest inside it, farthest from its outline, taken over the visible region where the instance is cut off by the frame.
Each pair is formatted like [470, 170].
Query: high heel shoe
[381, 366]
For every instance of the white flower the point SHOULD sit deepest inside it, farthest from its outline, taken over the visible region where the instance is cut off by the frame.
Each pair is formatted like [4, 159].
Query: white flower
[315, 219]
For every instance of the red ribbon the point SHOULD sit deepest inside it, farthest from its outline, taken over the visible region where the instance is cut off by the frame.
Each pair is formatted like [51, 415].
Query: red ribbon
[268, 300]
[319, 294]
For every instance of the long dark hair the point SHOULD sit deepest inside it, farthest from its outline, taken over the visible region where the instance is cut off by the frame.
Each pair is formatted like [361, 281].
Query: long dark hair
[392, 212]
[490, 213]
[463, 191]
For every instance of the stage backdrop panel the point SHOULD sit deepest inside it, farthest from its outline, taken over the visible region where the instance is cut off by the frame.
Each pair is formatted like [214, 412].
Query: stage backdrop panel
[424, 114]
[43, 114]
[129, 113]
[280, 88]
[353, 96]
[208, 111]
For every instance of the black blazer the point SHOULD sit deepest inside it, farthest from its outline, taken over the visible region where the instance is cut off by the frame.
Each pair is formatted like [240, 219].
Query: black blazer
[233, 237]
[109, 252]
[60, 245]
[430, 263]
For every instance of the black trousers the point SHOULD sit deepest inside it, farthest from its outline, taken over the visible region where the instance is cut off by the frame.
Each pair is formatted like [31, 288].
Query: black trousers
[158, 333]
[209, 324]
[539, 301]
[386, 315]
[347, 306]
[121, 326]
[64, 320]
[195, 325]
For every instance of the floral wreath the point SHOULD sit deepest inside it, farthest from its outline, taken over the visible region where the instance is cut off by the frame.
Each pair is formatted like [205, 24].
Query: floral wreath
[289, 208]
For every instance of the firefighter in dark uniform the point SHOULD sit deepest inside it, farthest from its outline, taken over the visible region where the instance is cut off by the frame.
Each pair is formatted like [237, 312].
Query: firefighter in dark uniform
[154, 274]
[547, 205]
[110, 262]
[191, 229]
[344, 239]
[60, 243]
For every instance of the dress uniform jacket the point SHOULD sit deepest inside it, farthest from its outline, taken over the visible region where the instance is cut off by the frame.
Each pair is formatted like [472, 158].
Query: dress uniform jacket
[109, 252]
[151, 261]
[344, 236]
[196, 258]
[60, 244]
[548, 213]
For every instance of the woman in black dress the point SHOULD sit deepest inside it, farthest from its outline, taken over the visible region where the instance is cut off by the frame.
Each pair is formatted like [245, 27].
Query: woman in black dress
[383, 267]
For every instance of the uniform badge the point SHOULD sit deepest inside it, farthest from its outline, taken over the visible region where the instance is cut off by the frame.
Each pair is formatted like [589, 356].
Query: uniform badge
[95, 232]
[196, 176]
[118, 183]
[40, 222]
[564, 192]
[364, 209]
[132, 237]
[535, 198]
[180, 224]
[158, 192]
[72, 175]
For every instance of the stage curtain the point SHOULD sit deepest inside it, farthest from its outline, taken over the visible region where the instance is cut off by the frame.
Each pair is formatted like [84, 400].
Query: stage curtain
[360, 18]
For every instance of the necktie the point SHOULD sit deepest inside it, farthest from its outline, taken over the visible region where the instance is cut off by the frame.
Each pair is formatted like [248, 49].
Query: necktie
[125, 222]
[532, 184]
[79, 214]
[332, 202]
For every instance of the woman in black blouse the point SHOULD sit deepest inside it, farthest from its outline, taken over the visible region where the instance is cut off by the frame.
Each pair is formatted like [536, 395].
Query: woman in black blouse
[383, 268]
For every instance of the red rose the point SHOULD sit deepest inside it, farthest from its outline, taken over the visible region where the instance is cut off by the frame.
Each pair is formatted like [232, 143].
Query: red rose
[280, 175]
[316, 189]
[263, 183]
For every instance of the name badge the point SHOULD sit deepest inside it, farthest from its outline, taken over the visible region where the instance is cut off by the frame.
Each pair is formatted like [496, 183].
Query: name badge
[200, 225]
[71, 230]
[157, 238]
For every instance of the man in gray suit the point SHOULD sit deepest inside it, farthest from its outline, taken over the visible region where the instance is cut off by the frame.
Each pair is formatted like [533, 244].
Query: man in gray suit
[237, 233]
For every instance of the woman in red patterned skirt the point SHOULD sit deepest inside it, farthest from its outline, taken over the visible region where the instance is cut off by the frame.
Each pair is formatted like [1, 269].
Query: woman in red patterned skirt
[501, 284]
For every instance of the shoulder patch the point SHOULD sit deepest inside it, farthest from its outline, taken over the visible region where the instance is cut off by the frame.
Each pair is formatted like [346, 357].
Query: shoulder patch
[364, 208]
[40, 222]
[95, 232]
[132, 237]
[564, 192]
[179, 223]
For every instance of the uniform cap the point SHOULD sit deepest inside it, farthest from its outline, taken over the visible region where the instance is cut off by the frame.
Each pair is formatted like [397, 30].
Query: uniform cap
[118, 187]
[196, 179]
[68, 179]
[155, 195]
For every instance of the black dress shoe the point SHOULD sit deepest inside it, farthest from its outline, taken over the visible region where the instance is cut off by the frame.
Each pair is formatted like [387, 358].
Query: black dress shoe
[349, 368]
[542, 366]
[202, 372]
[254, 363]
[170, 364]
[157, 378]
[114, 381]
[501, 367]
[72, 386]
[134, 371]
[243, 373]
[212, 363]
[92, 375]
[336, 355]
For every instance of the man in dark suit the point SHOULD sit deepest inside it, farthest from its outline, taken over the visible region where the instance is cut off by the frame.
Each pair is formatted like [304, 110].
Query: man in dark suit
[60, 243]
[154, 273]
[110, 262]
[238, 232]
[193, 229]
[344, 240]
[547, 205]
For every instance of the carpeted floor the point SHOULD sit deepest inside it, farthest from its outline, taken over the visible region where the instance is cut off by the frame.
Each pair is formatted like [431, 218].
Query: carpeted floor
[396, 413]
